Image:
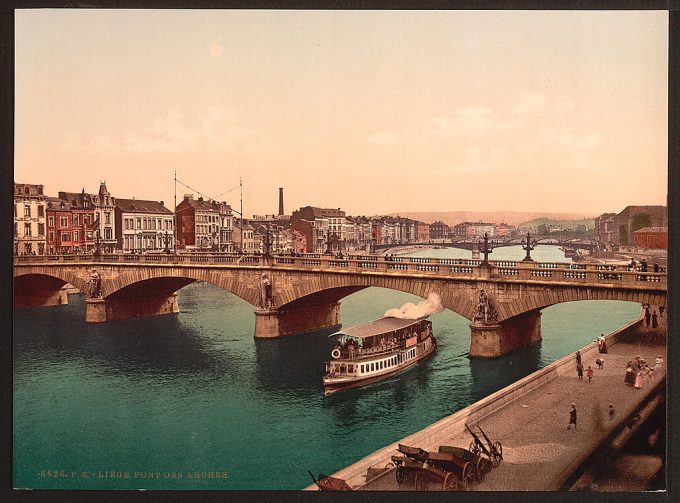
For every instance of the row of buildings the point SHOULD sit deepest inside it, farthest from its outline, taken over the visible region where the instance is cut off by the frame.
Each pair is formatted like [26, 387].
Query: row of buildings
[78, 222]
[639, 226]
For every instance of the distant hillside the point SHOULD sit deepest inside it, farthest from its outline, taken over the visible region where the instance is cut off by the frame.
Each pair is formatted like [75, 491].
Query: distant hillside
[564, 224]
[509, 217]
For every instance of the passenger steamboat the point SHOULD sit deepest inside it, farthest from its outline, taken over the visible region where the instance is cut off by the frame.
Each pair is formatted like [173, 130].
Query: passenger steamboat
[368, 353]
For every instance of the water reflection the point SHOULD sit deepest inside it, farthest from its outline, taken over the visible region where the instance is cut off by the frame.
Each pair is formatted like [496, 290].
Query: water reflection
[490, 375]
[139, 349]
[295, 364]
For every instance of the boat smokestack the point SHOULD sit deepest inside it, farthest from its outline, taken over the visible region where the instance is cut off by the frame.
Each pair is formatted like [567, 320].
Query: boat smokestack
[280, 200]
[410, 311]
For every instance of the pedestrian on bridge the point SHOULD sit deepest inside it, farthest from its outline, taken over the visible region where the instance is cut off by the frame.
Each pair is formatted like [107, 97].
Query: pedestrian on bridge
[572, 416]
[648, 316]
[579, 371]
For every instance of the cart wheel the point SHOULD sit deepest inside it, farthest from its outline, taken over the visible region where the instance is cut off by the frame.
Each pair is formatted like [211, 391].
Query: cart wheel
[480, 472]
[474, 448]
[486, 465]
[420, 483]
[468, 476]
[450, 483]
[498, 448]
[400, 475]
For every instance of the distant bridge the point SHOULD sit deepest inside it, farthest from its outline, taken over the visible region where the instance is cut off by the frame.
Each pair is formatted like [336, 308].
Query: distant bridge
[468, 244]
[306, 291]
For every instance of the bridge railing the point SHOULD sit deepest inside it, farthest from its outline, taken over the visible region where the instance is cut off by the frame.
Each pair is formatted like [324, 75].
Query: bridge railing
[437, 267]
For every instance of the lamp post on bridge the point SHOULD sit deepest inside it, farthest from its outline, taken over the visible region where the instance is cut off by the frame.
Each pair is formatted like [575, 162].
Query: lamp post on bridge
[328, 244]
[97, 244]
[166, 239]
[528, 245]
[486, 249]
[267, 241]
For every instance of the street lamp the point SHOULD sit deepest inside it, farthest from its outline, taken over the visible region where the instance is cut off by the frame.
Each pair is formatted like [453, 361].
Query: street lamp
[528, 245]
[97, 244]
[166, 240]
[486, 249]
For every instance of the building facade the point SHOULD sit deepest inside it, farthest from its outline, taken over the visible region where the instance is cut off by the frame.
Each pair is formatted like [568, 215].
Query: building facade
[143, 226]
[651, 237]
[204, 225]
[72, 223]
[439, 230]
[105, 215]
[29, 219]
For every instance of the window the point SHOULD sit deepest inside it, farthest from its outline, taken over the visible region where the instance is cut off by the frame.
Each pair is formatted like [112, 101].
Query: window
[145, 224]
[76, 236]
[63, 221]
[350, 369]
[15, 210]
[65, 236]
[107, 216]
[50, 236]
[41, 212]
[41, 229]
[27, 229]
[139, 223]
[75, 220]
[16, 229]
[372, 367]
[362, 369]
[107, 233]
[27, 210]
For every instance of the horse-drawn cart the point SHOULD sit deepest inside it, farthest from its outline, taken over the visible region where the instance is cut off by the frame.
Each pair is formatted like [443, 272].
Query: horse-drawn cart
[447, 469]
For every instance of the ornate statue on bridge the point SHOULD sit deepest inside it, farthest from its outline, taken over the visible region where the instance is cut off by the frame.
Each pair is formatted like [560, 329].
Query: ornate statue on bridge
[265, 299]
[485, 311]
[95, 285]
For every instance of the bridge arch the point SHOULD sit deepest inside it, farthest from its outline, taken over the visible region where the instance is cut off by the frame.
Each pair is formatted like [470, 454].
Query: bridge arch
[332, 288]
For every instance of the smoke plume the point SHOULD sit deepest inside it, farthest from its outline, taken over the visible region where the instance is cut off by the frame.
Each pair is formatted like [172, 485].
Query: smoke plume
[410, 311]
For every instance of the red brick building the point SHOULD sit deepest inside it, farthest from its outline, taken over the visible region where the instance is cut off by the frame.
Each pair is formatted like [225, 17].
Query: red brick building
[306, 229]
[651, 237]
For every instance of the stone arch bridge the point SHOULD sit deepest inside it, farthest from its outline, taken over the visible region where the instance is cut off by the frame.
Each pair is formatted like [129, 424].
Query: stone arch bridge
[294, 295]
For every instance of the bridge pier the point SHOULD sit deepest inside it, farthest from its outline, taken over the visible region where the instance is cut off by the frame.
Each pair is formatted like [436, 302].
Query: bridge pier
[282, 322]
[102, 310]
[492, 341]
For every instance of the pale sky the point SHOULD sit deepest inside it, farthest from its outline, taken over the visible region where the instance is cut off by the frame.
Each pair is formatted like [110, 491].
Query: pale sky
[373, 112]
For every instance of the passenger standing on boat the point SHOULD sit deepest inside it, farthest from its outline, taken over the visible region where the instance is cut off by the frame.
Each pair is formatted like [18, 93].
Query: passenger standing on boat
[648, 316]
[655, 322]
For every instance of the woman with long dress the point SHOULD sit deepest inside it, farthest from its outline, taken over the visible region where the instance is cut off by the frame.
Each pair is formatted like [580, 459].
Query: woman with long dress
[639, 380]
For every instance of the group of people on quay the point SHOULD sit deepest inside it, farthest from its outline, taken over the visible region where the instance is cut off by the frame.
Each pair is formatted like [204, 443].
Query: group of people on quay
[652, 319]
[637, 371]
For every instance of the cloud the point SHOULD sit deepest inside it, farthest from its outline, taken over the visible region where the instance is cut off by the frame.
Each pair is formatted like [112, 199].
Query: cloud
[216, 49]
[217, 127]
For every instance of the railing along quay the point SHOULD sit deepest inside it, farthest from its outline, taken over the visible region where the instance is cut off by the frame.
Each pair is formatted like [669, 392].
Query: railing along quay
[420, 266]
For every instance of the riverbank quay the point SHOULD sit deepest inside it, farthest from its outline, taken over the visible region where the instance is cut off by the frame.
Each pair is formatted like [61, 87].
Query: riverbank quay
[530, 417]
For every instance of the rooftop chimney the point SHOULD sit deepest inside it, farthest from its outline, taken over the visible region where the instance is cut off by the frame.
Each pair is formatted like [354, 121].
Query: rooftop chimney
[280, 200]
[188, 196]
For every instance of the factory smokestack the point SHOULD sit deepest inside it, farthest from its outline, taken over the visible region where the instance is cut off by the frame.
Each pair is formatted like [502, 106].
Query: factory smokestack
[280, 200]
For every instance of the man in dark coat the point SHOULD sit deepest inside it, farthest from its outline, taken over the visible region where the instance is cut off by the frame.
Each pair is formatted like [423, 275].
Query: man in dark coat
[572, 416]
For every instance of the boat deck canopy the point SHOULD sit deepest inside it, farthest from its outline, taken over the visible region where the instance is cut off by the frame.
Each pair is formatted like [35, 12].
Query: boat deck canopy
[377, 327]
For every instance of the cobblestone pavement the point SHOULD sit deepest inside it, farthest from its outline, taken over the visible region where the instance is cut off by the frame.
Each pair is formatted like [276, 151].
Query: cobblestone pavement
[538, 449]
